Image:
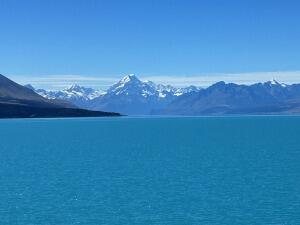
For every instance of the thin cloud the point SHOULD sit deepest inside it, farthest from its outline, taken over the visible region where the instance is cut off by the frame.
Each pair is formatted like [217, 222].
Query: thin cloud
[239, 78]
[62, 81]
[56, 82]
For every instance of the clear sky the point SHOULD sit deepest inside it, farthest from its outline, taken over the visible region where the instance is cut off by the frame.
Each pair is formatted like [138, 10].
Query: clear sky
[97, 39]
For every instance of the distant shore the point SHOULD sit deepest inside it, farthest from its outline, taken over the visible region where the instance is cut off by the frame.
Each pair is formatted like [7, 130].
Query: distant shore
[21, 111]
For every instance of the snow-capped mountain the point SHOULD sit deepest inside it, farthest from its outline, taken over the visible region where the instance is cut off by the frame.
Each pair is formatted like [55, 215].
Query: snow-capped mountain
[75, 94]
[132, 96]
[72, 92]
[77, 91]
[228, 98]
[131, 85]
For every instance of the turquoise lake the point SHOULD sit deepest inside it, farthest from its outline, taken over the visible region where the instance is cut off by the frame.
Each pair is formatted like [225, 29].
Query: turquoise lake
[127, 171]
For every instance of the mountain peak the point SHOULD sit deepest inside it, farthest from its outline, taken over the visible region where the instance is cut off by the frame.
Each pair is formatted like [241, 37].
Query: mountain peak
[29, 86]
[219, 84]
[129, 78]
[273, 82]
[74, 87]
[79, 88]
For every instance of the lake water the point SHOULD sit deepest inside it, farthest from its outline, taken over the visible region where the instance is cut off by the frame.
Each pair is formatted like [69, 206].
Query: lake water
[181, 171]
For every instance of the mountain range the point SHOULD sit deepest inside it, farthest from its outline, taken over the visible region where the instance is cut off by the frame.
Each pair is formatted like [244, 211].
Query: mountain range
[17, 101]
[132, 96]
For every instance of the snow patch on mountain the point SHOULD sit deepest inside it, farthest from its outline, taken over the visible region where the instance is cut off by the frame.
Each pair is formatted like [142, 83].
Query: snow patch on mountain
[72, 92]
[130, 92]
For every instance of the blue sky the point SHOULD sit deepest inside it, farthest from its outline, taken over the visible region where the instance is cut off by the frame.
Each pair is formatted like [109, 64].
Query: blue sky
[95, 42]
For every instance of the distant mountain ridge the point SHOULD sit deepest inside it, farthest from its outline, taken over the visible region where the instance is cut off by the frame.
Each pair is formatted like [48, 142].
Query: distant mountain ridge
[72, 92]
[75, 94]
[129, 96]
[135, 97]
[270, 97]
